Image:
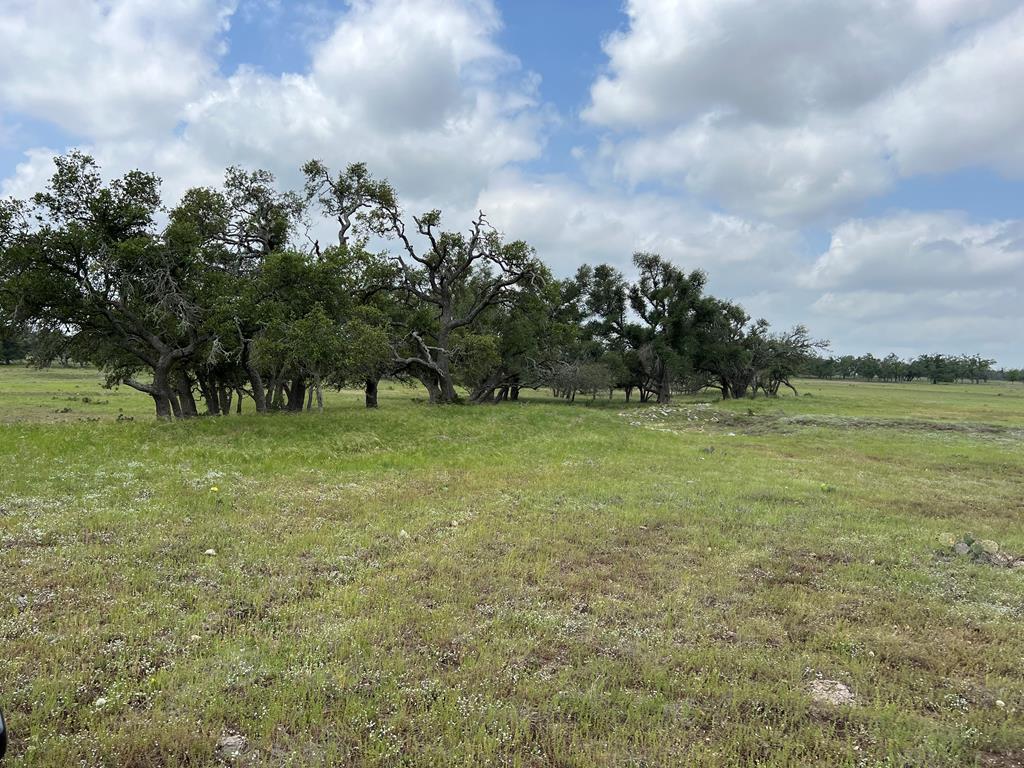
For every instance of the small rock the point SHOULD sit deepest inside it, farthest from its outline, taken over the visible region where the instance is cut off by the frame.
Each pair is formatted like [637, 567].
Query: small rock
[100, 702]
[1000, 703]
[830, 692]
[210, 552]
[961, 548]
[403, 534]
[231, 745]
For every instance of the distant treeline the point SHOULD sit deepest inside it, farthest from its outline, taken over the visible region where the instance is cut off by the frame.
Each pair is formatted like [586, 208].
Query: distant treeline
[227, 296]
[934, 368]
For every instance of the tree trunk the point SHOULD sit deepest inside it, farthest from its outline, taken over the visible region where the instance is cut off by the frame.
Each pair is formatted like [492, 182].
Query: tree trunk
[664, 387]
[163, 406]
[297, 394]
[485, 395]
[185, 398]
[319, 396]
[433, 391]
[166, 404]
[224, 400]
[371, 392]
[445, 385]
[175, 405]
[514, 393]
[309, 398]
[259, 394]
[209, 393]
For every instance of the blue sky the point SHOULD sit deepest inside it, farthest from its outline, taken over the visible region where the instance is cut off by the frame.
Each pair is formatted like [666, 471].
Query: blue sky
[855, 166]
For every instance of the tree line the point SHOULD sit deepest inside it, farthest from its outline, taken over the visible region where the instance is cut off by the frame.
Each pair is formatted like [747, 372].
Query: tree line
[227, 297]
[891, 368]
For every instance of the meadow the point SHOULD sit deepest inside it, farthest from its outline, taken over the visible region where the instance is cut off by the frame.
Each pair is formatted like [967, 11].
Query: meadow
[530, 584]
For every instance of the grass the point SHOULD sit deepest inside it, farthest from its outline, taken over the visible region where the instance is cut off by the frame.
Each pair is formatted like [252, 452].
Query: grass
[532, 584]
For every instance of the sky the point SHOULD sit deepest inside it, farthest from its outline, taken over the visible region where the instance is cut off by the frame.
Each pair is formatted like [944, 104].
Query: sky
[853, 165]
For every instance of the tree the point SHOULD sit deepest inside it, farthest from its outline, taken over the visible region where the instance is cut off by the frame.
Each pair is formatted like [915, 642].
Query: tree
[458, 276]
[666, 299]
[368, 350]
[91, 266]
[342, 196]
[14, 340]
[315, 346]
[536, 327]
[782, 356]
[233, 231]
[725, 354]
[225, 302]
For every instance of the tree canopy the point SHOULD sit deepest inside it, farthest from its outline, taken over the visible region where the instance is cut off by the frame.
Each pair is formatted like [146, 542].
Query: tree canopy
[225, 297]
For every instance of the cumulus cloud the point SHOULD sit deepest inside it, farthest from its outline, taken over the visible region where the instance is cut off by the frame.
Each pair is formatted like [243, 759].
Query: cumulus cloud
[785, 173]
[30, 175]
[416, 88]
[917, 251]
[419, 89]
[797, 110]
[569, 224]
[920, 282]
[964, 108]
[771, 62]
[108, 69]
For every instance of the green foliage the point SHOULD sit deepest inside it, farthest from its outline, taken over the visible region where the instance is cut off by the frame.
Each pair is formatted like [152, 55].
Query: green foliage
[934, 368]
[231, 300]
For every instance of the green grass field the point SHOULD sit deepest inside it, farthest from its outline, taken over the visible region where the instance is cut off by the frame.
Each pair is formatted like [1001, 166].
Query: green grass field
[532, 584]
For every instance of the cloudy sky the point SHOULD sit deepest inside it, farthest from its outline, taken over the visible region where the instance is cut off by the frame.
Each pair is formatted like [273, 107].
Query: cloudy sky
[856, 165]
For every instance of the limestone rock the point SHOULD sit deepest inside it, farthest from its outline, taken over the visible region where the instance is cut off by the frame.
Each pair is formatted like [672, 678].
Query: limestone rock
[831, 692]
[231, 745]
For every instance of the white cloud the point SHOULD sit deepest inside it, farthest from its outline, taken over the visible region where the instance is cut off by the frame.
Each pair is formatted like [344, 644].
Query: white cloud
[778, 173]
[108, 69]
[569, 224]
[965, 109]
[917, 251]
[30, 175]
[770, 62]
[799, 109]
[418, 89]
[922, 282]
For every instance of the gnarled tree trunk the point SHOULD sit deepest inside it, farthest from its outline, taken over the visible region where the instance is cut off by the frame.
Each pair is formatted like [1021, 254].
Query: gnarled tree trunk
[371, 392]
